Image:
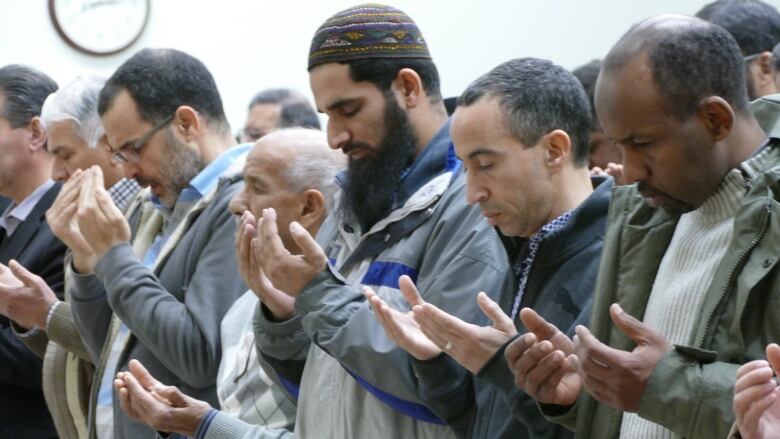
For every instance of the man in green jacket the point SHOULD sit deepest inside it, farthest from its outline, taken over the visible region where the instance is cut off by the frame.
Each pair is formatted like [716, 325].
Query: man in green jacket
[690, 250]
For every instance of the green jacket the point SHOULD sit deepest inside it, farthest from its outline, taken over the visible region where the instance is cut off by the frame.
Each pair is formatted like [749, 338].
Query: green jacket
[691, 389]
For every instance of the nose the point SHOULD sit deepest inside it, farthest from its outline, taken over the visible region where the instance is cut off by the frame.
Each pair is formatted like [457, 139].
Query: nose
[634, 167]
[130, 169]
[475, 193]
[59, 172]
[237, 205]
[338, 135]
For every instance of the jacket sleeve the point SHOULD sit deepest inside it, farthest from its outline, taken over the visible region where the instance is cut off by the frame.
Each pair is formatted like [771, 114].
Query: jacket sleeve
[18, 364]
[183, 335]
[690, 394]
[284, 346]
[219, 425]
[448, 390]
[91, 312]
[462, 256]
[63, 331]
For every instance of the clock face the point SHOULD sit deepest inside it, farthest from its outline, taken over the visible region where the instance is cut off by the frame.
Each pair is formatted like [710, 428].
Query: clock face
[99, 27]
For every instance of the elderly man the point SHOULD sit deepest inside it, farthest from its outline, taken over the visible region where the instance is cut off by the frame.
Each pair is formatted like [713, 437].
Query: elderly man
[160, 299]
[522, 132]
[76, 141]
[293, 172]
[277, 108]
[25, 237]
[755, 25]
[402, 210]
[690, 249]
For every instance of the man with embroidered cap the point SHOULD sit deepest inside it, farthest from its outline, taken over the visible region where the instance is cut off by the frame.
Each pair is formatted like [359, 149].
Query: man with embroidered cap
[161, 296]
[401, 211]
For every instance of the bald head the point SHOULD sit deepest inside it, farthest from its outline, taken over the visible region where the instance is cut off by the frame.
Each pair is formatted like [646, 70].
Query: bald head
[293, 171]
[689, 59]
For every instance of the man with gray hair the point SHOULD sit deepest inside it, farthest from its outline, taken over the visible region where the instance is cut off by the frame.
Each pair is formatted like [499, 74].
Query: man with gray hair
[76, 140]
[277, 108]
[293, 171]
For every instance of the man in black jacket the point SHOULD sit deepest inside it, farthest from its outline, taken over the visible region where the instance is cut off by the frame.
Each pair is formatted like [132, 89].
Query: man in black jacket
[25, 237]
[522, 131]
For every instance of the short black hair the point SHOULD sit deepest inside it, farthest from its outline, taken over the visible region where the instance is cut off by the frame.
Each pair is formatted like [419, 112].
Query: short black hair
[296, 111]
[587, 74]
[382, 71]
[754, 24]
[162, 80]
[689, 62]
[24, 90]
[537, 97]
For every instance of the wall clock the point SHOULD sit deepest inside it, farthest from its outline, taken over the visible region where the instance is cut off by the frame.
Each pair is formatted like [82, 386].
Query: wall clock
[99, 27]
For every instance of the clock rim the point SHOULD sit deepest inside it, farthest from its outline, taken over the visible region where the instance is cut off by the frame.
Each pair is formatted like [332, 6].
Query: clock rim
[61, 32]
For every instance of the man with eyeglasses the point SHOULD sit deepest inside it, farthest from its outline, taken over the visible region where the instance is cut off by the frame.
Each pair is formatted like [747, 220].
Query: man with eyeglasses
[756, 27]
[161, 298]
[274, 109]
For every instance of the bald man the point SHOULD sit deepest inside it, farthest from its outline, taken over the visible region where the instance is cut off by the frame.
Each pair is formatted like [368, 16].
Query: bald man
[292, 171]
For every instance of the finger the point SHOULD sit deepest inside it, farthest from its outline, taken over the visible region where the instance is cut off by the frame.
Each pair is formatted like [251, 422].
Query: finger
[172, 394]
[746, 397]
[756, 377]
[446, 326]
[637, 331]
[596, 387]
[532, 357]
[21, 273]
[97, 175]
[422, 320]
[86, 194]
[308, 245]
[595, 357]
[272, 244]
[773, 356]
[752, 416]
[409, 290]
[139, 372]
[516, 349]
[538, 325]
[491, 309]
[124, 401]
[544, 373]
[749, 367]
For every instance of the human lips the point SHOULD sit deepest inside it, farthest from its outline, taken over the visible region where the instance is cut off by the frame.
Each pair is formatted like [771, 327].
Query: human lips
[492, 217]
[355, 152]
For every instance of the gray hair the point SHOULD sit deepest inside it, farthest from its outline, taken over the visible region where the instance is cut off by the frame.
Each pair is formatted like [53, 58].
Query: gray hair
[77, 102]
[316, 167]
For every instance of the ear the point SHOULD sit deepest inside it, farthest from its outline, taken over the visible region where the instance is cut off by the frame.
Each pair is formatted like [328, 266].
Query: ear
[557, 144]
[717, 116]
[37, 134]
[764, 62]
[186, 122]
[408, 89]
[313, 210]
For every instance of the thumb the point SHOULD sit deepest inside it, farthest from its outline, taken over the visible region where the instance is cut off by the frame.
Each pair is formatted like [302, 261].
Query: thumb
[773, 356]
[409, 290]
[21, 273]
[535, 323]
[637, 331]
[501, 321]
[172, 394]
[142, 375]
[311, 249]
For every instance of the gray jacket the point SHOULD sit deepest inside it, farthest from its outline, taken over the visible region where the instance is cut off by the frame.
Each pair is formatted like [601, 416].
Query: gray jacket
[173, 312]
[357, 383]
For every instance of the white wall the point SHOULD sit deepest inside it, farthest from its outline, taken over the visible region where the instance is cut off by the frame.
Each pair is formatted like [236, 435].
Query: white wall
[253, 44]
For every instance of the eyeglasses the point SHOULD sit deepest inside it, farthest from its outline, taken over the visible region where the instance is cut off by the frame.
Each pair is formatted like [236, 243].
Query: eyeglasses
[749, 59]
[130, 153]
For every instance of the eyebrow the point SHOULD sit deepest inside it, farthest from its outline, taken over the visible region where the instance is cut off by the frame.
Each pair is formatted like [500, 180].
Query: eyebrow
[481, 151]
[339, 103]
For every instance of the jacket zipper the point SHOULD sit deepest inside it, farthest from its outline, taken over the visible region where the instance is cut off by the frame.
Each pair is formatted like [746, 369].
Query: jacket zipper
[740, 262]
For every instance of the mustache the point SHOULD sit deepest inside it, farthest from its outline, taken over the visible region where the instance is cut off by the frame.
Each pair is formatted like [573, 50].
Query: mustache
[352, 146]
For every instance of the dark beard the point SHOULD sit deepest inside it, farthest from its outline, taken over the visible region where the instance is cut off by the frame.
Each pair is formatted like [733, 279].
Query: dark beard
[373, 181]
[180, 165]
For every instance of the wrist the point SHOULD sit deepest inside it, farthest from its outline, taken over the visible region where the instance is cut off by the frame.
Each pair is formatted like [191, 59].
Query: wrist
[44, 317]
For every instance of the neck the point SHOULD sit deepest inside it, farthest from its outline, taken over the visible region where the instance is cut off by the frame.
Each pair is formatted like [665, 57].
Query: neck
[214, 144]
[428, 124]
[573, 188]
[744, 138]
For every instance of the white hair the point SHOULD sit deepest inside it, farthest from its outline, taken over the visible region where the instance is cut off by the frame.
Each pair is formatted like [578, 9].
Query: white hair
[315, 167]
[77, 102]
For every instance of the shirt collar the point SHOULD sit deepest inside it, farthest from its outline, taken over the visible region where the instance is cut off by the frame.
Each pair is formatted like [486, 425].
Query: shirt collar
[208, 177]
[23, 209]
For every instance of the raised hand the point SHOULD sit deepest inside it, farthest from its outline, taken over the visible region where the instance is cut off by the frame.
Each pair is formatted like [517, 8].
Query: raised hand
[757, 397]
